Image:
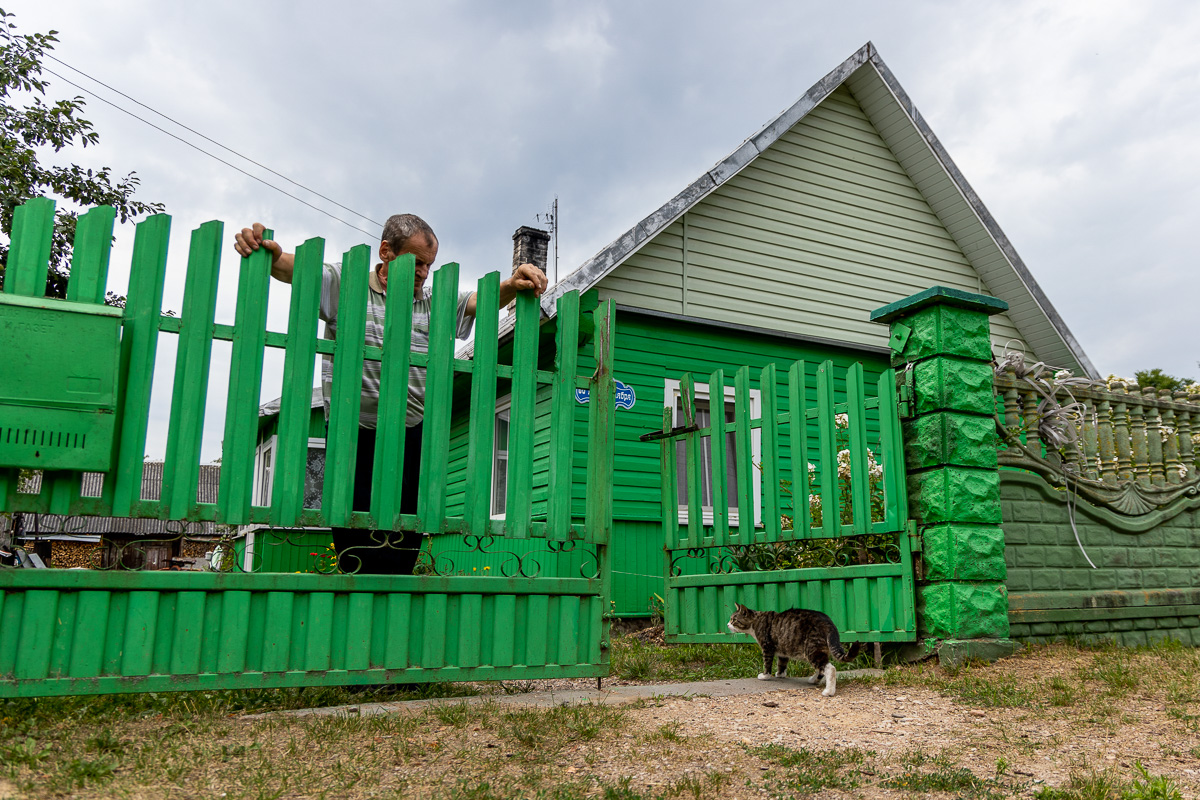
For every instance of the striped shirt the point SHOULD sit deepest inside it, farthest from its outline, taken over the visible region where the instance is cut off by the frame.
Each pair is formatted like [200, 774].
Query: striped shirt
[376, 299]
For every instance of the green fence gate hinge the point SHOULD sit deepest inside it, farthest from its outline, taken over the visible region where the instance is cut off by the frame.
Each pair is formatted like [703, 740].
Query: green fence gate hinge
[906, 393]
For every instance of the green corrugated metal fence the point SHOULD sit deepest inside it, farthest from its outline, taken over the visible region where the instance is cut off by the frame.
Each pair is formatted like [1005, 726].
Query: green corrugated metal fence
[82, 632]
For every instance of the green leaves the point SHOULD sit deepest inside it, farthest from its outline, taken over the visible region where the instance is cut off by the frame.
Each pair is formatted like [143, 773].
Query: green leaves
[30, 124]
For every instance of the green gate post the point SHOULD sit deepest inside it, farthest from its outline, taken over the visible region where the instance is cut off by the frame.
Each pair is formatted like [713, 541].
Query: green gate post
[942, 351]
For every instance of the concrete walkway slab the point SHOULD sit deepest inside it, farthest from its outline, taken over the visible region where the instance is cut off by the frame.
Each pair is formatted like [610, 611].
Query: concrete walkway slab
[612, 695]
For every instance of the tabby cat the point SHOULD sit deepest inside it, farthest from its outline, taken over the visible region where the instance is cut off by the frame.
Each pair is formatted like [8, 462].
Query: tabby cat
[795, 633]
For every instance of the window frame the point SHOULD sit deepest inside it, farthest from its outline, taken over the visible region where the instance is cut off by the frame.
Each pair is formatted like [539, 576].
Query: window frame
[671, 396]
[503, 410]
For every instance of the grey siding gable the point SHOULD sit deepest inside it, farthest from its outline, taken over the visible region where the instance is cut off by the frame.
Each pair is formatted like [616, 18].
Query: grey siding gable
[823, 227]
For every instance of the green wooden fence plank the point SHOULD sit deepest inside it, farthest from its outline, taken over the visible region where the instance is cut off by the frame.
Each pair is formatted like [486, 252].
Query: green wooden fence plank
[187, 632]
[718, 458]
[36, 635]
[235, 610]
[519, 503]
[295, 402]
[318, 648]
[470, 610]
[91, 630]
[90, 254]
[245, 386]
[827, 447]
[399, 624]
[562, 418]
[536, 646]
[139, 343]
[388, 472]
[692, 455]
[482, 439]
[141, 618]
[771, 472]
[277, 644]
[64, 618]
[744, 454]
[439, 390]
[892, 453]
[669, 488]
[502, 639]
[436, 622]
[29, 248]
[602, 428]
[345, 402]
[181, 467]
[860, 488]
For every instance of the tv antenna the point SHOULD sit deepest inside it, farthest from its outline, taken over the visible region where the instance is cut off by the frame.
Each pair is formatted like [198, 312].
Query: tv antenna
[550, 218]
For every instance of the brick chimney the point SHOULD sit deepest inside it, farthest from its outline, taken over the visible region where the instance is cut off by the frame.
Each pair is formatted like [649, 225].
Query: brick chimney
[530, 246]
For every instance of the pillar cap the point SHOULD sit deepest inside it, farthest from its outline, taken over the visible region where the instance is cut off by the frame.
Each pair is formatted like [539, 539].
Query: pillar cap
[938, 295]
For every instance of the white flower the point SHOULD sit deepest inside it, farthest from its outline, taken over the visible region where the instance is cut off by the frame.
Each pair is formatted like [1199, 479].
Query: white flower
[841, 420]
[1183, 471]
[1166, 430]
[1063, 374]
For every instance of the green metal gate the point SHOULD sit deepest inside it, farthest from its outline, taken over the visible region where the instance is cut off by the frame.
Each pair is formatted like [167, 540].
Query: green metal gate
[833, 531]
[76, 397]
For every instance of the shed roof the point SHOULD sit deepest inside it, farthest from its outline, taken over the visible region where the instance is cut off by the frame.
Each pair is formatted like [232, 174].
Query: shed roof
[929, 166]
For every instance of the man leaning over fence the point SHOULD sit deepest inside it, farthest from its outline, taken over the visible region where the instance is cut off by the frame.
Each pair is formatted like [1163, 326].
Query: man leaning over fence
[386, 552]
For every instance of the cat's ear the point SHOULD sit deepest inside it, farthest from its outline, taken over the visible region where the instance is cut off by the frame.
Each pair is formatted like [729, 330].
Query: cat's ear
[739, 607]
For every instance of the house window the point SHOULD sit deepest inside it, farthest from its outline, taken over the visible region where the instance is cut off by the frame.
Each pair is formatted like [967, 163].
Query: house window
[264, 470]
[500, 458]
[673, 396]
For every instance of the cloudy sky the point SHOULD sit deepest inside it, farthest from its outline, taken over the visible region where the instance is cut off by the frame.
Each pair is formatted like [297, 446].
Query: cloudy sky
[1078, 124]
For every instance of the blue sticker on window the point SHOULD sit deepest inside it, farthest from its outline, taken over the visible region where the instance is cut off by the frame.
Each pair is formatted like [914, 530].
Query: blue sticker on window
[626, 398]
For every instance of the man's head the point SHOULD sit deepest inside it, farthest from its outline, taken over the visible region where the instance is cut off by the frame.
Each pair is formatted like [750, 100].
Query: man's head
[408, 233]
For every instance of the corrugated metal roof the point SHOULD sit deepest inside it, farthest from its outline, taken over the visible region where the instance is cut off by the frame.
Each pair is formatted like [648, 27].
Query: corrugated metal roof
[92, 483]
[930, 167]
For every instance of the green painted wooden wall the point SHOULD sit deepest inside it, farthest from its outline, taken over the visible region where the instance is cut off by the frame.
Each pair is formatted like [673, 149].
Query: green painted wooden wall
[819, 230]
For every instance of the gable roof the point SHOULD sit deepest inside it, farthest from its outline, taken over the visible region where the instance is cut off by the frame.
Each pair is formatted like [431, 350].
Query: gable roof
[931, 169]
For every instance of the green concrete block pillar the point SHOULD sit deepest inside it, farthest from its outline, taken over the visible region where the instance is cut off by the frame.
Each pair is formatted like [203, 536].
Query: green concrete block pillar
[942, 350]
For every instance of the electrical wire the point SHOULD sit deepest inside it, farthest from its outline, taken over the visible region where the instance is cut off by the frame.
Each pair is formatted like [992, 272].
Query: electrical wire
[213, 141]
[218, 158]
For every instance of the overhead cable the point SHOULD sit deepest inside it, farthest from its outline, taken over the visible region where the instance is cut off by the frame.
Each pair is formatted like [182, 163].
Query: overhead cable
[216, 157]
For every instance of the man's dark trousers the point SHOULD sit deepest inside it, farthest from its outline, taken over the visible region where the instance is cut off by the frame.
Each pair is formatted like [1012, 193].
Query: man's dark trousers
[367, 552]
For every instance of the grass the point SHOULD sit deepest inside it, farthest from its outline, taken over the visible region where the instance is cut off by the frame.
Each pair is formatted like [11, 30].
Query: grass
[806, 772]
[201, 744]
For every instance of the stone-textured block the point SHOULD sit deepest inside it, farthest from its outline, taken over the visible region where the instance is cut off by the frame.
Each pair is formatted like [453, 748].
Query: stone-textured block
[1142, 557]
[964, 552]
[1122, 624]
[1096, 626]
[945, 384]
[1019, 580]
[1103, 579]
[955, 494]
[1074, 579]
[1045, 629]
[955, 652]
[1176, 537]
[944, 330]
[1155, 579]
[1028, 511]
[1015, 533]
[950, 438]
[952, 610]
[1129, 579]
[1144, 624]
[1178, 578]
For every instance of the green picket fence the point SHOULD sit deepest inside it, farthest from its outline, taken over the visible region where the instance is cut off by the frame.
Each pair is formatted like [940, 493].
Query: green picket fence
[831, 485]
[87, 631]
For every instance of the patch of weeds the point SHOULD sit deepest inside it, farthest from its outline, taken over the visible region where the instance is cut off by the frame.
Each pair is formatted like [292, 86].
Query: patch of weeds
[1062, 693]
[82, 772]
[105, 742]
[1190, 722]
[1151, 787]
[517, 687]
[546, 732]
[456, 714]
[25, 752]
[668, 733]
[809, 771]
[698, 787]
[999, 691]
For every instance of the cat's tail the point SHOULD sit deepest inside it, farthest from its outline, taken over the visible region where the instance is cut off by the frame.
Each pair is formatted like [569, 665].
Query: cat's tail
[839, 652]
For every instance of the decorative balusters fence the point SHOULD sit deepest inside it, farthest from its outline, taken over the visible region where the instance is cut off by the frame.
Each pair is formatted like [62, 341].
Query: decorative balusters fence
[1129, 448]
